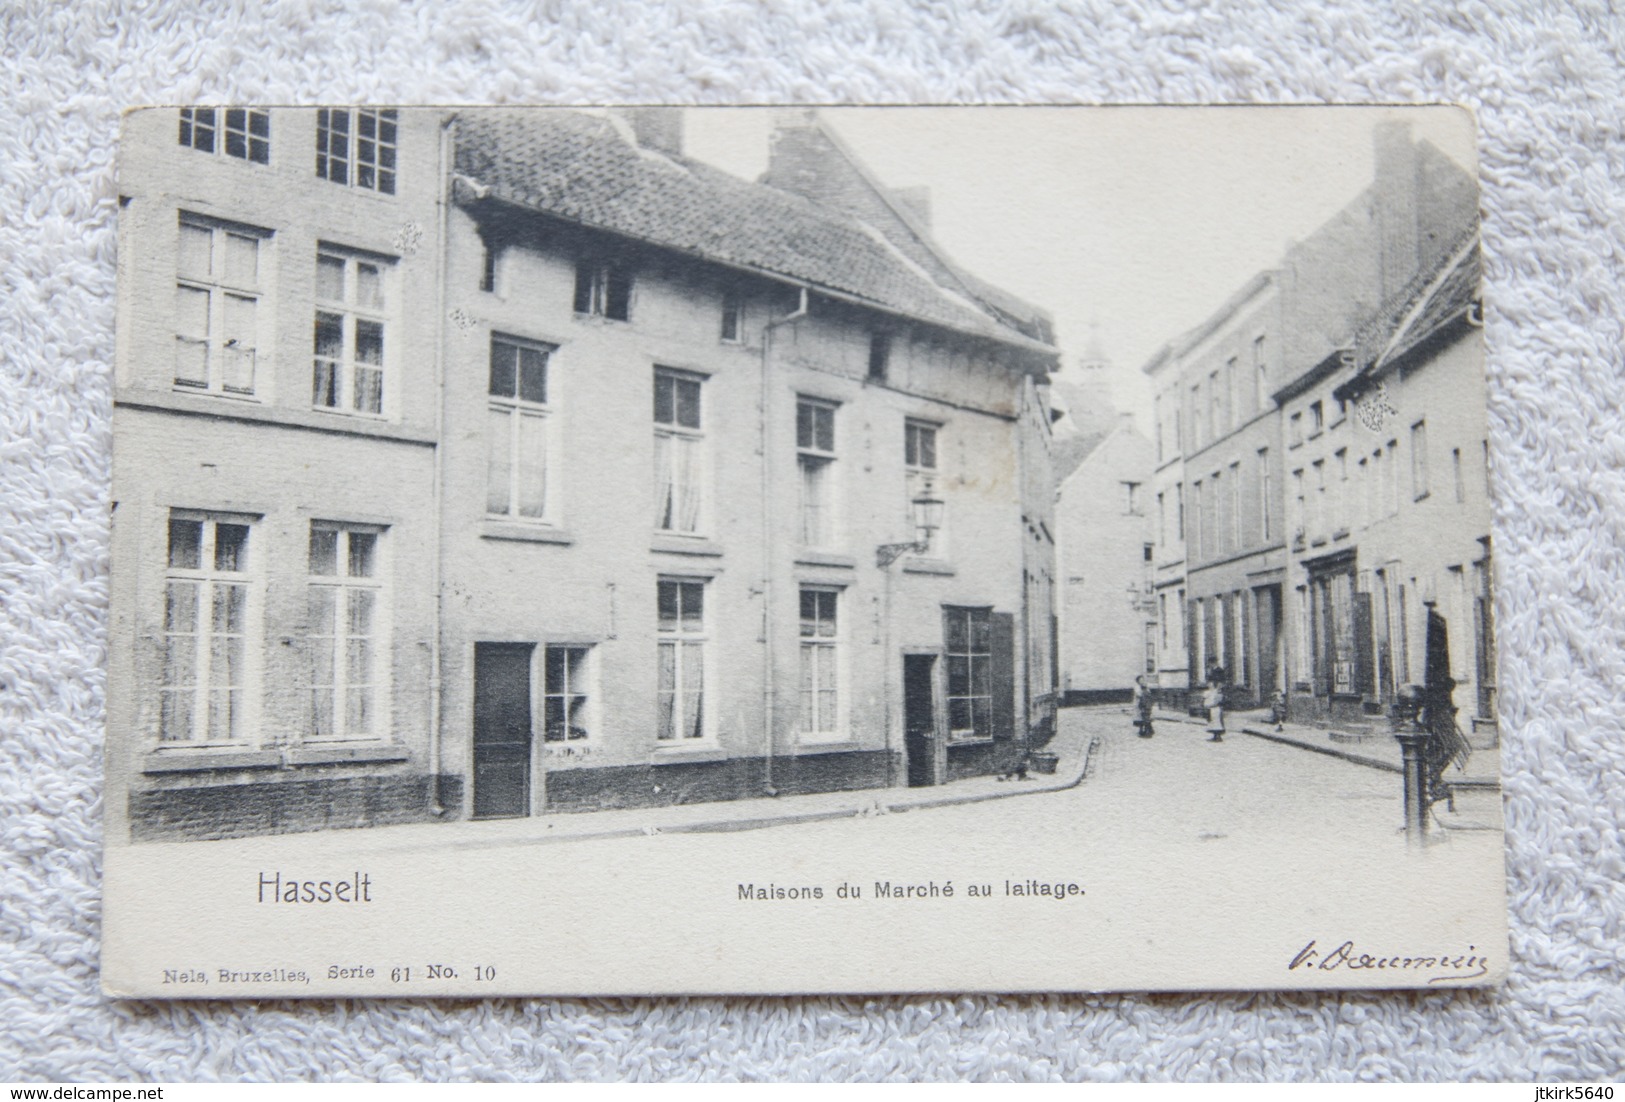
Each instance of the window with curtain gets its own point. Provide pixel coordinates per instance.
(518, 412)
(679, 451)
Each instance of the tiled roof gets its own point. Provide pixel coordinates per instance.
(1432, 301)
(1070, 452)
(583, 169)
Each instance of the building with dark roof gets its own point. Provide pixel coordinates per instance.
(1275, 483)
(1411, 531)
(625, 481)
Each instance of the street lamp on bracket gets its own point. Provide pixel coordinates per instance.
(926, 510)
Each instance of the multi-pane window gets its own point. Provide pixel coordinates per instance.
(241, 132)
(349, 339)
(565, 693)
(203, 687)
(679, 451)
(815, 458)
(516, 429)
(217, 298)
(1295, 429)
(344, 606)
(921, 471)
(357, 147)
(1317, 418)
(820, 664)
(1419, 460)
(603, 289)
(969, 637)
(680, 702)
(733, 317)
(920, 446)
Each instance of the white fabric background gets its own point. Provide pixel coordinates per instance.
(1547, 84)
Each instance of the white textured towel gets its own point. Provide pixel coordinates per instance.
(1549, 87)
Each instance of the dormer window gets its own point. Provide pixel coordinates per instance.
(733, 317)
(603, 290)
(879, 356)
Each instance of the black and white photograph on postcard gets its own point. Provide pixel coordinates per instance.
(657, 550)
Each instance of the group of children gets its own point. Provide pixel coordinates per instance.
(1212, 701)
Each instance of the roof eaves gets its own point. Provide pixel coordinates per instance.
(1392, 336)
(473, 191)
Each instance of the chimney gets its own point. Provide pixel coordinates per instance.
(917, 201)
(799, 155)
(657, 128)
(1396, 180)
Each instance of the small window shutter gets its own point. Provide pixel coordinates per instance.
(583, 304)
(618, 297)
(1004, 675)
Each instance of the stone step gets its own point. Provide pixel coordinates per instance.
(1472, 805)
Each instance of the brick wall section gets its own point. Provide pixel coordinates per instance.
(238, 811)
(982, 758)
(705, 782)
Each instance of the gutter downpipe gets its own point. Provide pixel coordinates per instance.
(447, 129)
(768, 692)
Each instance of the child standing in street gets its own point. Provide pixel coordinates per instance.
(1213, 701)
(1142, 707)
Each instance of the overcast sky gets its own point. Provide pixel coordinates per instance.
(1139, 220)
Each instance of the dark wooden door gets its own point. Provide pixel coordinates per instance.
(502, 734)
(1269, 641)
(919, 719)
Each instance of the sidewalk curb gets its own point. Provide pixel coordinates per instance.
(1330, 751)
(879, 806)
(720, 826)
(1284, 740)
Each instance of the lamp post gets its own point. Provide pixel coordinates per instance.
(926, 509)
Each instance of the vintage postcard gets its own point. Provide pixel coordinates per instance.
(654, 550)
